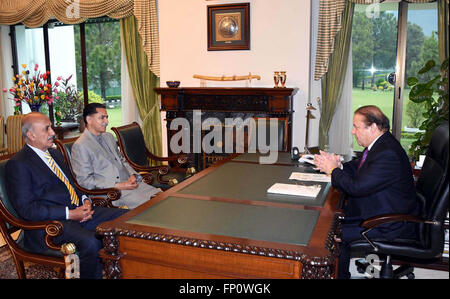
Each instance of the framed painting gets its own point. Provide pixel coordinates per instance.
(229, 27)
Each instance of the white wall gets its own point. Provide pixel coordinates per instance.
(279, 40)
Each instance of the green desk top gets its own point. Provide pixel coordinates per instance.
(271, 224)
(248, 181)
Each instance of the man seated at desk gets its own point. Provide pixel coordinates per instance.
(97, 162)
(381, 182)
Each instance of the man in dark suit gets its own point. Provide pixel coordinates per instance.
(40, 187)
(380, 182)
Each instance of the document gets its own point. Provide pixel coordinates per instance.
(314, 177)
(299, 190)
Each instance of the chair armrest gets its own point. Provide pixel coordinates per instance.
(178, 160)
(147, 177)
(52, 228)
(111, 194)
(386, 218)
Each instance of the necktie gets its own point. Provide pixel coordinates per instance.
(363, 158)
(73, 195)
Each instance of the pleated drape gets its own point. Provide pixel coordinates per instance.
(142, 80)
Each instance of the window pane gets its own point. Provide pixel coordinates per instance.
(422, 45)
(103, 58)
(30, 51)
(63, 67)
(374, 45)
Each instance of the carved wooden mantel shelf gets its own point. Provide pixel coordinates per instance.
(240, 99)
(221, 102)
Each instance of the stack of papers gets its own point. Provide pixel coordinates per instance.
(314, 177)
(299, 190)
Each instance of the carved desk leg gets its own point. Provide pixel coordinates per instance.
(324, 268)
(110, 254)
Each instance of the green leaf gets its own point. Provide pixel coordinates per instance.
(428, 66)
(420, 93)
(412, 81)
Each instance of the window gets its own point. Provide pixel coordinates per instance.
(89, 53)
(379, 41)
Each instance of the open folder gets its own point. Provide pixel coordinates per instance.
(299, 190)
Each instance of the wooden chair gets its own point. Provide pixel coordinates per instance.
(100, 197)
(133, 148)
(10, 222)
(3, 149)
(15, 140)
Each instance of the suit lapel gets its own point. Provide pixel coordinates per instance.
(37, 161)
(375, 148)
(96, 146)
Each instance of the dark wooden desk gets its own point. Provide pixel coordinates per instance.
(215, 225)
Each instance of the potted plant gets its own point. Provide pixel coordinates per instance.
(434, 96)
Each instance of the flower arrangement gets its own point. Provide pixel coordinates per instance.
(34, 89)
(68, 103)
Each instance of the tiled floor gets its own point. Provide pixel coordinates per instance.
(419, 273)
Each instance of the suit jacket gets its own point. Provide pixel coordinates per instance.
(94, 168)
(36, 192)
(384, 183)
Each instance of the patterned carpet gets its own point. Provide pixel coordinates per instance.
(33, 271)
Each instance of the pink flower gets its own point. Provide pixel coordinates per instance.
(57, 97)
(56, 84)
(17, 104)
(59, 78)
(5, 90)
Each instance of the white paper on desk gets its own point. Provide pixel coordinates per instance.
(299, 190)
(314, 177)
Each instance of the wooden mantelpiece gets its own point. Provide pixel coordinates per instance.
(221, 102)
(267, 100)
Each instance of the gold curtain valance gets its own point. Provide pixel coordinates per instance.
(35, 13)
(330, 14)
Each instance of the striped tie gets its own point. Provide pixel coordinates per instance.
(73, 195)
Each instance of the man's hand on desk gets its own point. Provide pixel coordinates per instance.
(326, 162)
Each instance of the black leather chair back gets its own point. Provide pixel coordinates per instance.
(133, 143)
(433, 187)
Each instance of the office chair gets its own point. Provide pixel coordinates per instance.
(132, 145)
(432, 190)
(10, 222)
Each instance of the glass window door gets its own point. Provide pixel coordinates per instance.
(392, 41)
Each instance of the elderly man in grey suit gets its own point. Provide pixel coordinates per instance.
(97, 162)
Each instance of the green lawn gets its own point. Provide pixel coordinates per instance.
(385, 101)
(114, 117)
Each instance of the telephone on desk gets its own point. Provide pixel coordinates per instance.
(308, 158)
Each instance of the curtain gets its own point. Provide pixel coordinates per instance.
(443, 29)
(35, 13)
(333, 80)
(143, 80)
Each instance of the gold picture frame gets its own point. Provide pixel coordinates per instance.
(229, 27)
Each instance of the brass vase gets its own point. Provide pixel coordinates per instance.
(276, 78)
(283, 79)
